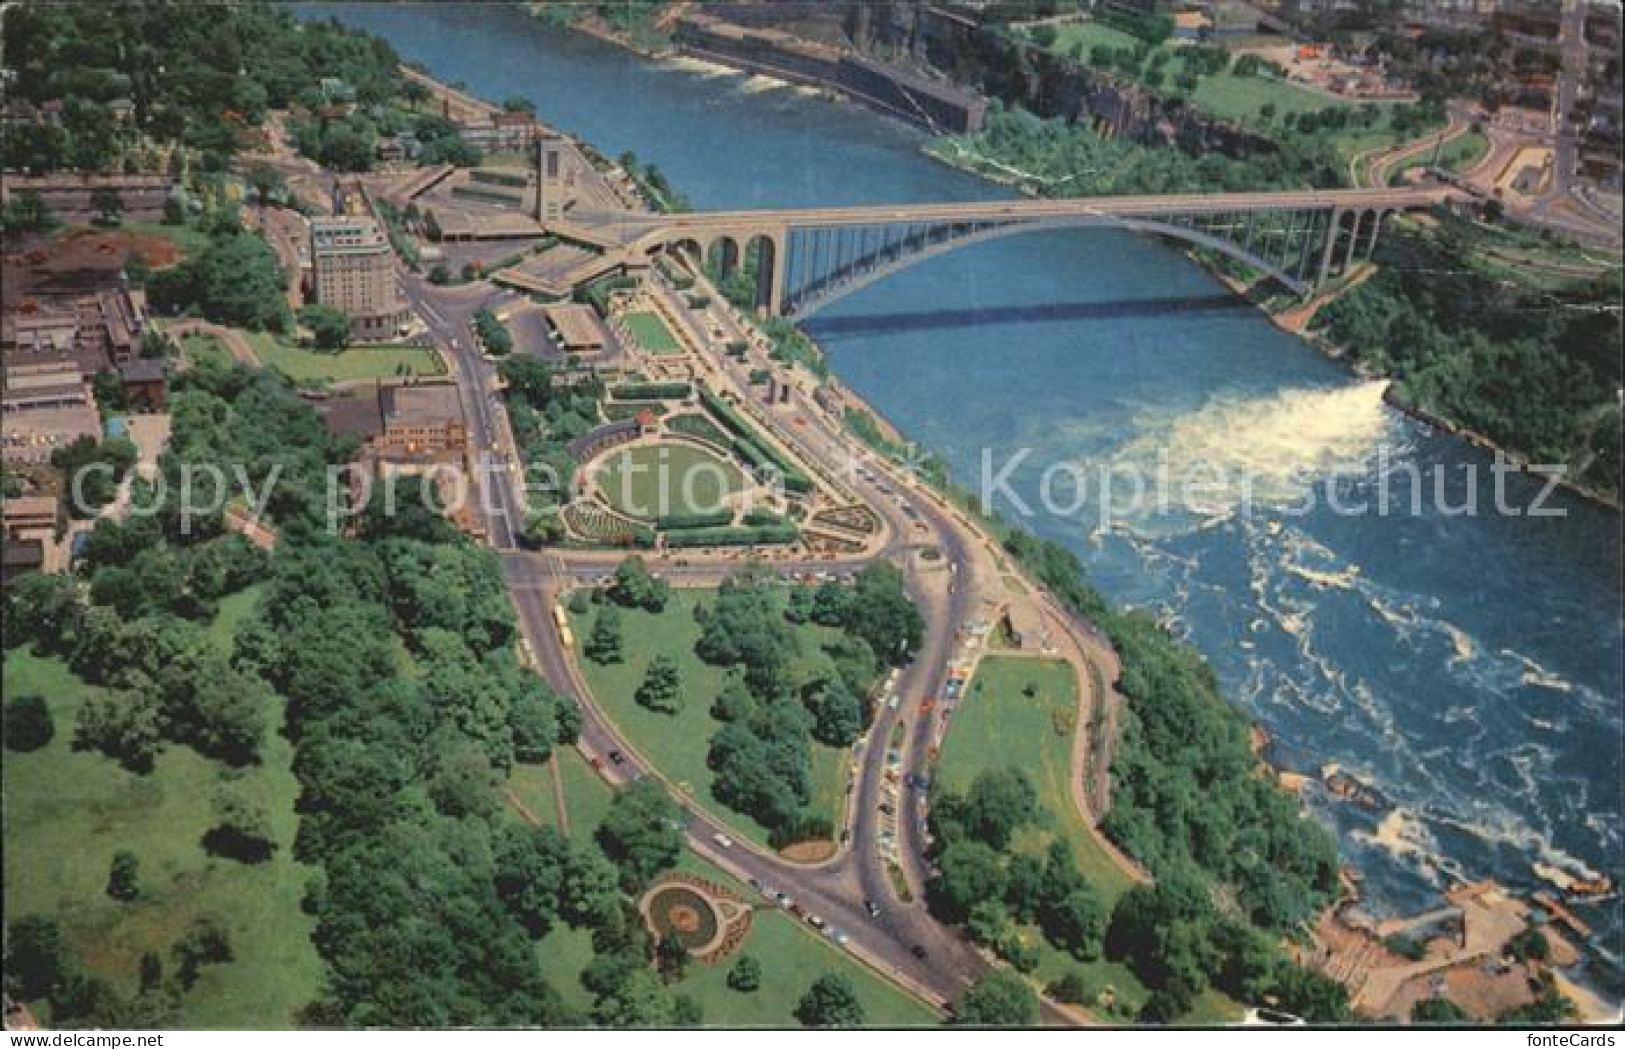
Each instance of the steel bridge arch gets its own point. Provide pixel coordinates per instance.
(795, 306)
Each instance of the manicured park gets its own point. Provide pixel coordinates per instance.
(677, 744)
(650, 481)
(1020, 712)
(651, 333)
(68, 811)
(356, 363)
(792, 956)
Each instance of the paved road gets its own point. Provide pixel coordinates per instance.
(836, 889)
(633, 226)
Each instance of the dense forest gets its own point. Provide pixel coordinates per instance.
(391, 656)
(195, 74)
(1536, 371)
(1236, 864)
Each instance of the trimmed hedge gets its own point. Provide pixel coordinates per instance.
(499, 178)
(731, 536)
(650, 391)
(490, 196)
(745, 444)
(707, 519)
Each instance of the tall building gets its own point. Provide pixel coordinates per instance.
(353, 269)
(552, 180)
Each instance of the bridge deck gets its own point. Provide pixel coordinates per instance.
(1146, 206)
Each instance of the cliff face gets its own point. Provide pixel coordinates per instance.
(1049, 85)
(922, 34)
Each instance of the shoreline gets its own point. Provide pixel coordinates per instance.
(856, 401)
(1339, 354)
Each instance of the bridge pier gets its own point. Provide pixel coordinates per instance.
(1334, 227)
(1354, 240)
(770, 274)
(1376, 228)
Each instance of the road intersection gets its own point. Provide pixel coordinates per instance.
(958, 581)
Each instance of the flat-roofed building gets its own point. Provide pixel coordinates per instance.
(425, 420)
(353, 269)
(72, 197)
(575, 327)
(31, 516)
(44, 407)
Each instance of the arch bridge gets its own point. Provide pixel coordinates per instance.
(806, 258)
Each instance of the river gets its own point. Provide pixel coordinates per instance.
(1467, 667)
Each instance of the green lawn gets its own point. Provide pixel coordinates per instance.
(1459, 154)
(67, 812)
(359, 362)
(653, 480)
(205, 348)
(1239, 98)
(586, 794)
(999, 725)
(792, 957)
(677, 743)
(1089, 35)
(651, 333)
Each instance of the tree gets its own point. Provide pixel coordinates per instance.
(588, 892)
(203, 943)
(604, 643)
(265, 181)
(108, 205)
(880, 612)
(671, 956)
(534, 721)
(1076, 924)
(1312, 995)
(642, 833)
(745, 975)
(634, 587)
(123, 876)
(126, 726)
(1437, 1011)
(999, 999)
(466, 784)
(242, 828)
(236, 280)
(999, 801)
(28, 724)
(329, 326)
(662, 688)
(837, 712)
(968, 872)
(830, 1002)
(529, 872)
(28, 213)
(36, 957)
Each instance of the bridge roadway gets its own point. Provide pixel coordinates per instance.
(834, 889)
(634, 227)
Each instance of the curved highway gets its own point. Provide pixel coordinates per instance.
(901, 940)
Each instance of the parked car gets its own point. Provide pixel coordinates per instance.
(617, 758)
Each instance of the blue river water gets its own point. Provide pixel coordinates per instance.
(1466, 666)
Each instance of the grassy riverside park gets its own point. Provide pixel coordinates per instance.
(355, 363)
(68, 811)
(654, 480)
(651, 333)
(677, 744)
(792, 955)
(997, 725)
